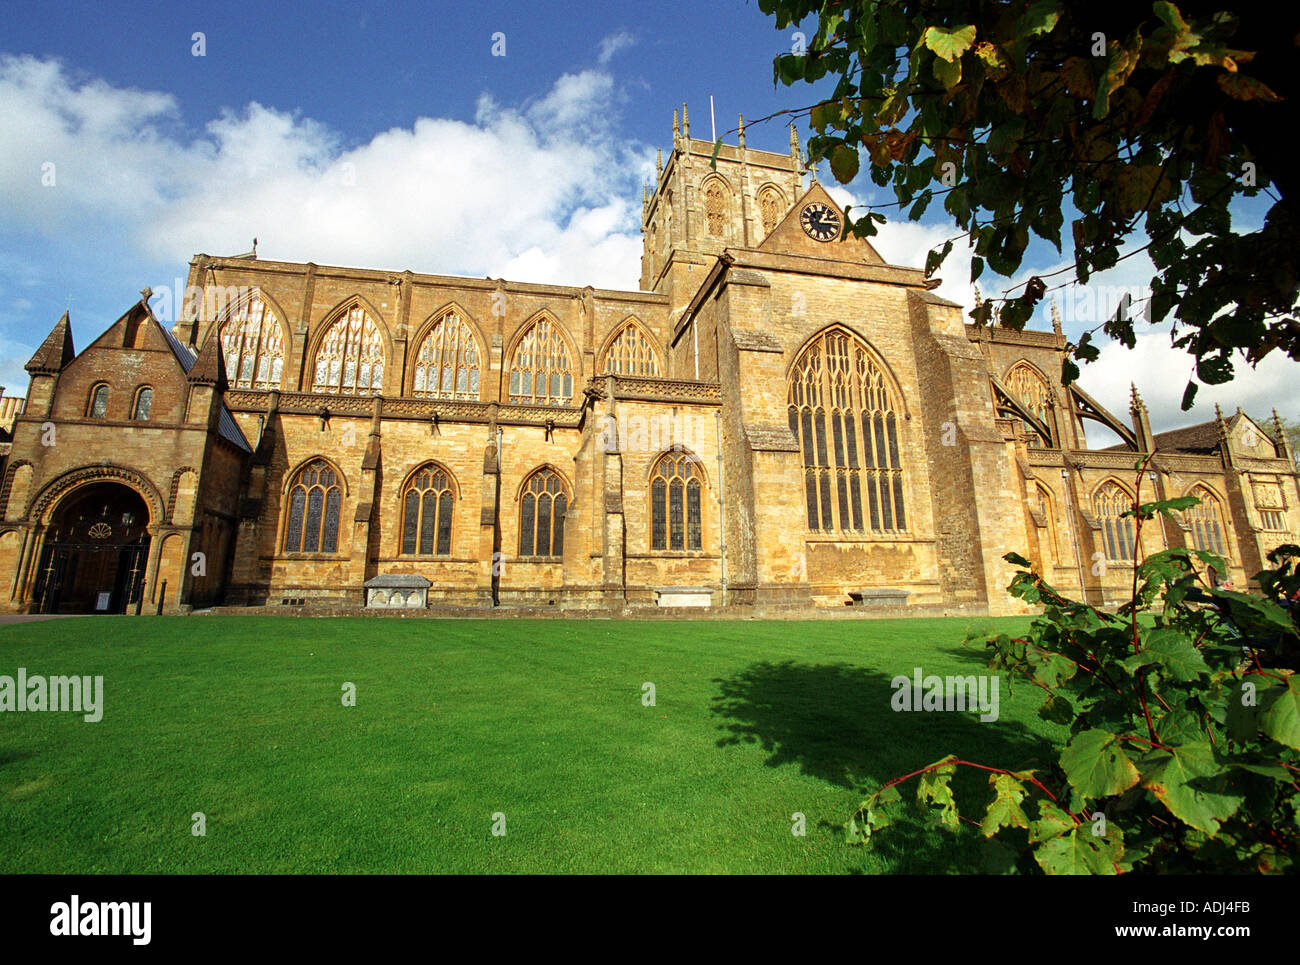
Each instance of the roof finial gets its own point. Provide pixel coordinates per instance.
(742, 130)
(794, 141)
(1056, 317)
(676, 130)
(254, 247)
(659, 163)
(979, 298)
(686, 121)
(1218, 413)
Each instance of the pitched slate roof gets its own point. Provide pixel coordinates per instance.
(227, 428)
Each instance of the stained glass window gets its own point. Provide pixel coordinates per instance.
(541, 373)
(426, 513)
(843, 413)
(1109, 502)
(675, 502)
(315, 501)
(1206, 522)
(350, 359)
(98, 401)
(631, 353)
(542, 509)
(143, 404)
(253, 345)
(447, 365)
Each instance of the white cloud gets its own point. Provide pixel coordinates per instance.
(611, 45)
(444, 195)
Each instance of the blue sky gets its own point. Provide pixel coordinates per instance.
(391, 137)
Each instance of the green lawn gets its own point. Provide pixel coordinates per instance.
(456, 720)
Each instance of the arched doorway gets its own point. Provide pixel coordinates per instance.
(95, 552)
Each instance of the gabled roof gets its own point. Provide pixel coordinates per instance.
(788, 237)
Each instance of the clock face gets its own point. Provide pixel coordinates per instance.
(820, 222)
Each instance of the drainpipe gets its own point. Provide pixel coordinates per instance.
(722, 517)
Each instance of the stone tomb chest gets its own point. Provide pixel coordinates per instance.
(397, 592)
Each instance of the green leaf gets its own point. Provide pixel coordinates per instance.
(1097, 765)
(1040, 18)
(1004, 810)
(1171, 649)
(1052, 821)
(1079, 852)
(1282, 719)
(947, 73)
(844, 163)
(935, 788)
(1191, 784)
(949, 43)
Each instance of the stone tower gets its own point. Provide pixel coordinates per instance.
(697, 209)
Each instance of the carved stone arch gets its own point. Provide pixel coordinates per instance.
(427, 465)
(8, 487)
(717, 198)
(569, 489)
(292, 473)
(53, 493)
(877, 357)
(679, 451)
(175, 489)
(511, 357)
(631, 322)
(337, 314)
(426, 328)
(1111, 480)
(769, 217)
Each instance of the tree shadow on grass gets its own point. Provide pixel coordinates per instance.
(835, 723)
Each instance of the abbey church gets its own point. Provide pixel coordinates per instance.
(776, 419)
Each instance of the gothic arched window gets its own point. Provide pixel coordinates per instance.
(715, 207)
(314, 504)
(1034, 394)
(350, 358)
(541, 373)
(844, 415)
(676, 498)
(447, 364)
(98, 407)
(427, 503)
(252, 342)
(770, 206)
(541, 514)
(631, 353)
(1109, 503)
(143, 404)
(1206, 522)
